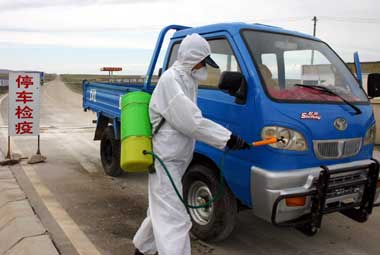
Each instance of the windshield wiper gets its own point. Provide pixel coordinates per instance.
(329, 91)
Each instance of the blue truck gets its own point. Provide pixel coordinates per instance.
(271, 83)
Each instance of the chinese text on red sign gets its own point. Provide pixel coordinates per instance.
(24, 103)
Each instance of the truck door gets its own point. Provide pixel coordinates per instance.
(226, 110)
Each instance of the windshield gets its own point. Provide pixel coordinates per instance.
(286, 61)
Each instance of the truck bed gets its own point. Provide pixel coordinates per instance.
(105, 98)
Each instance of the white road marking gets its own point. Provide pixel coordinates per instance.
(78, 238)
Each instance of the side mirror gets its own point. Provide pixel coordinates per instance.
(373, 85)
(234, 84)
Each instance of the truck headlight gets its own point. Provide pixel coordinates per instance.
(291, 139)
(370, 135)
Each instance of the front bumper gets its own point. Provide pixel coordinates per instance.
(340, 187)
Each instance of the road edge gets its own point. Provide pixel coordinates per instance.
(21, 230)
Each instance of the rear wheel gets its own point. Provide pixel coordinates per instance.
(110, 153)
(217, 221)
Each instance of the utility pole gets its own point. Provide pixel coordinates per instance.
(314, 33)
(315, 25)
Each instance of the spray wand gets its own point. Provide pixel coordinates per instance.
(268, 140)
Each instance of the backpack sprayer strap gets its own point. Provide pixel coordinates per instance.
(151, 169)
(162, 121)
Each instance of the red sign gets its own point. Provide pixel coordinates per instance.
(24, 92)
(111, 69)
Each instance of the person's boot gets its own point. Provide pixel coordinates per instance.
(137, 252)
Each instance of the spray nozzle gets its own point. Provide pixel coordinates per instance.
(268, 140)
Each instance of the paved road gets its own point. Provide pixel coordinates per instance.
(90, 213)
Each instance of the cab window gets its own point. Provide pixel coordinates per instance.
(291, 67)
(222, 54)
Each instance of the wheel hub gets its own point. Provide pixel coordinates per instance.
(200, 194)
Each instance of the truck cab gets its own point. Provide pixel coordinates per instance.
(278, 83)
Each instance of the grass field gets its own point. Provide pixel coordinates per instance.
(3, 90)
(50, 76)
(74, 81)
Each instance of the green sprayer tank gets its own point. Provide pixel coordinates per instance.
(136, 132)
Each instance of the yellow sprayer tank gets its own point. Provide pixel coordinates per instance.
(136, 132)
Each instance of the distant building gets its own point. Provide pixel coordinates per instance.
(3, 82)
(367, 68)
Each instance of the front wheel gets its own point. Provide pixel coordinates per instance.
(216, 222)
(110, 153)
(308, 229)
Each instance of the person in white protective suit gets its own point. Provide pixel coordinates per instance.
(166, 228)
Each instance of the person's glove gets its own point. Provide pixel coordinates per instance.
(237, 143)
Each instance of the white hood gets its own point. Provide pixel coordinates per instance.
(193, 49)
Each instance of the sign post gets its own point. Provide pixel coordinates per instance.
(110, 71)
(24, 106)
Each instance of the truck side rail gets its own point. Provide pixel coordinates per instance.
(105, 98)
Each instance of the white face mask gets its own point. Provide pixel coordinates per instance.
(199, 74)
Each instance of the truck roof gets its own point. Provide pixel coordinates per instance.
(235, 27)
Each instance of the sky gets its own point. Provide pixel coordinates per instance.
(80, 36)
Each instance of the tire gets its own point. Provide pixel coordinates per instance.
(218, 221)
(308, 229)
(110, 153)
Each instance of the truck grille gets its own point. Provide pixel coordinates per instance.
(342, 179)
(345, 179)
(336, 149)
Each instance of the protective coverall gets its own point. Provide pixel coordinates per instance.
(167, 225)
